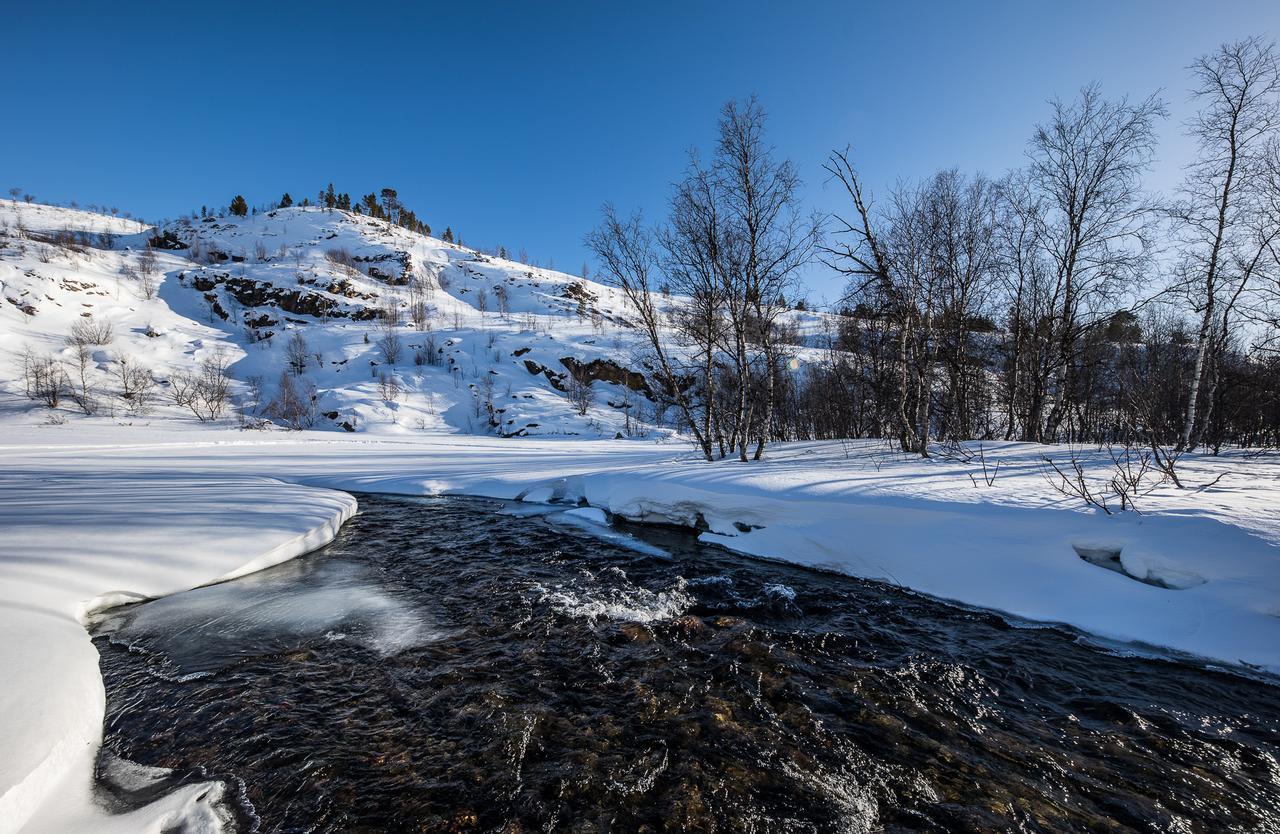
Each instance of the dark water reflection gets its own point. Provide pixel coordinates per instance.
(443, 666)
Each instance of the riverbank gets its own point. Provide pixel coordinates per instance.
(150, 510)
(74, 543)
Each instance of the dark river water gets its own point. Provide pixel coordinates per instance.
(448, 665)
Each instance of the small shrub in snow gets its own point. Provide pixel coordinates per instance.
(82, 390)
(389, 339)
(90, 331)
(341, 256)
(136, 382)
(581, 392)
(296, 353)
(204, 392)
(147, 283)
(295, 406)
(419, 309)
(44, 378)
(428, 353)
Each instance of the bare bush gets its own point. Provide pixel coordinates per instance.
(581, 392)
(296, 353)
(428, 353)
(44, 378)
(388, 336)
(90, 331)
(82, 390)
(147, 274)
(295, 406)
(1134, 473)
(339, 255)
(388, 387)
(205, 391)
(136, 382)
(419, 309)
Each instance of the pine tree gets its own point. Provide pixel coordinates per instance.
(447, 237)
(390, 202)
(238, 206)
(330, 199)
(286, 200)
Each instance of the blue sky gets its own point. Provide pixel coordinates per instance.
(512, 122)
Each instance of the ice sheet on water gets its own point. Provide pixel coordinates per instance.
(282, 609)
(524, 509)
(594, 522)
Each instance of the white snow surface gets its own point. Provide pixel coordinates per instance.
(97, 510)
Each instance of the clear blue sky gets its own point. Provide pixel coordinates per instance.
(512, 122)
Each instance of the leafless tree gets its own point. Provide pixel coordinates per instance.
(146, 271)
(419, 309)
(388, 387)
(1087, 162)
(1226, 230)
(91, 331)
(136, 382)
(736, 240)
(580, 391)
(626, 251)
(772, 239)
(82, 388)
(295, 405)
(44, 378)
(296, 353)
(205, 391)
(388, 325)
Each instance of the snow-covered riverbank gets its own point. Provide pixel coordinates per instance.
(153, 509)
(72, 543)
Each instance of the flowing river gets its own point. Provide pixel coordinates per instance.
(464, 665)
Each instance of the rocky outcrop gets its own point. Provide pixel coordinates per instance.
(556, 379)
(302, 302)
(166, 240)
(606, 370)
(394, 268)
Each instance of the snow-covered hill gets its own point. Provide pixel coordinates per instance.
(393, 331)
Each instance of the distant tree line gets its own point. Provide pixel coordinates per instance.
(384, 205)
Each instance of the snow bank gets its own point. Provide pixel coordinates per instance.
(73, 543)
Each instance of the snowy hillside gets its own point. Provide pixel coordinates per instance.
(376, 328)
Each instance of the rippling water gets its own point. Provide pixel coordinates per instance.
(448, 665)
